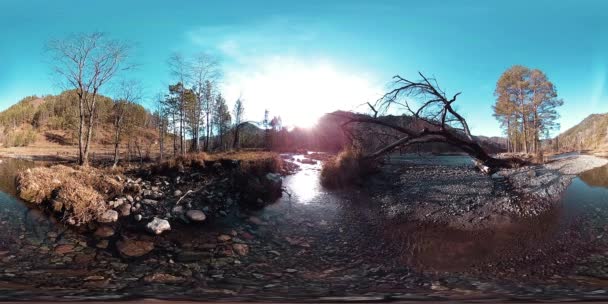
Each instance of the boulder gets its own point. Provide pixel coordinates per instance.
(158, 226)
(196, 215)
(109, 216)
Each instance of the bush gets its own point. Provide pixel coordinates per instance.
(345, 169)
(79, 193)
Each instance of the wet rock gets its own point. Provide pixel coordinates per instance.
(240, 249)
(109, 216)
(196, 215)
(158, 226)
(148, 201)
(134, 248)
(104, 232)
(224, 238)
(138, 217)
(178, 210)
(191, 256)
(103, 244)
(162, 278)
(64, 249)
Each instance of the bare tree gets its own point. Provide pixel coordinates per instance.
(238, 112)
(128, 94)
(180, 69)
(161, 115)
(87, 62)
(204, 73)
(441, 123)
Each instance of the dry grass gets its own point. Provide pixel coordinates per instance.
(345, 169)
(77, 192)
(255, 162)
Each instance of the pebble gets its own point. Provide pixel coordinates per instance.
(109, 216)
(196, 215)
(240, 249)
(224, 238)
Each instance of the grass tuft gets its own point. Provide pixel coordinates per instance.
(345, 169)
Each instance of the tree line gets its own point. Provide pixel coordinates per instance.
(526, 107)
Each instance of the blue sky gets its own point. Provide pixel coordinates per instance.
(303, 58)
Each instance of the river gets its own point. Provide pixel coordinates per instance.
(317, 243)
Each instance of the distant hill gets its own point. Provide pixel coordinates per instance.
(53, 119)
(328, 135)
(589, 134)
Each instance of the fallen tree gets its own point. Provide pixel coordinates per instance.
(440, 123)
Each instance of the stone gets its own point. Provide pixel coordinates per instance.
(178, 210)
(177, 193)
(158, 226)
(109, 216)
(125, 209)
(224, 238)
(103, 244)
(138, 217)
(196, 215)
(104, 232)
(240, 249)
(148, 201)
(162, 278)
(134, 248)
(291, 270)
(63, 249)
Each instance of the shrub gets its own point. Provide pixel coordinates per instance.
(345, 169)
(77, 192)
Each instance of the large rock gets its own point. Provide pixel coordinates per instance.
(158, 226)
(196, 215)
(109, 216)
(134, 248)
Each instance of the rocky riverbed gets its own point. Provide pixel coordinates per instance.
(312, 244)
(463, 198)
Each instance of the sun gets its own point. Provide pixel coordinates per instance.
(298, 91)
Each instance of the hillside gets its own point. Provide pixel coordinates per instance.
(589, 134)
(51, 122)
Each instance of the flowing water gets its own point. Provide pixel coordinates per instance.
(347, 234)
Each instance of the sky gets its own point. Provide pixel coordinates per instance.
(300, 59)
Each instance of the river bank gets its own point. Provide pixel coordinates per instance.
(456, 195)
(311, 244)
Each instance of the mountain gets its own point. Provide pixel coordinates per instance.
(589, 134)
(53, 120)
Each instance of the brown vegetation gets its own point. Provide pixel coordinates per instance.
(79, 193)
(346, 168)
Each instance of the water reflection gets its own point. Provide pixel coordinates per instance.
(16, 219)
(304, 186)
(597, 177)
(440, 248)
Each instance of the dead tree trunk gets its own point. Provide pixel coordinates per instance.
(442, 124)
